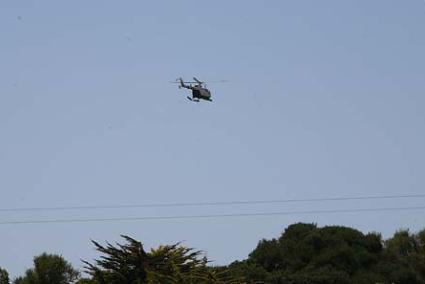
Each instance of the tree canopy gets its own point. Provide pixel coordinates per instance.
(49, 269)
(4, 276)
(169, 264)
(303, 253)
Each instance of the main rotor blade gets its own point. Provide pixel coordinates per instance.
(194, 82)
(218, 81)
(197, 81)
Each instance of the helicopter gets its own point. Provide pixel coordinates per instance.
(199, 90)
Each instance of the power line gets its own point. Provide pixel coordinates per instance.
(259, 214)
(201, 204)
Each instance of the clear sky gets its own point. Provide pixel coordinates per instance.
(325, 99)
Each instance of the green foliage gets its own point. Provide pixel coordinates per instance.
(247, 270)
(402, 244)
(406, 257)
(305, 253)
(49, 269)
(4, 276)
(268, 255)
(322, 275)
(170, 264)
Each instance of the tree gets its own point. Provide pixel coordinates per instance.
(420, 240)
(49, 269)
(405, 257)
(402, 243)
(129, 263)
(305, 253)
(4, 276)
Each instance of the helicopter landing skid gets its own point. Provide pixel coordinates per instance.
(193, 100)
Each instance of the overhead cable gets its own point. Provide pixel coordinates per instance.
(188, 217)
(213, 203)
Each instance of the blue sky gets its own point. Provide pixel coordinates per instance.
(325, 99)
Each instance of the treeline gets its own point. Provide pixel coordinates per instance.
(304, 253)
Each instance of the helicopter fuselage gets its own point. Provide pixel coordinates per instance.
(201, 93)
